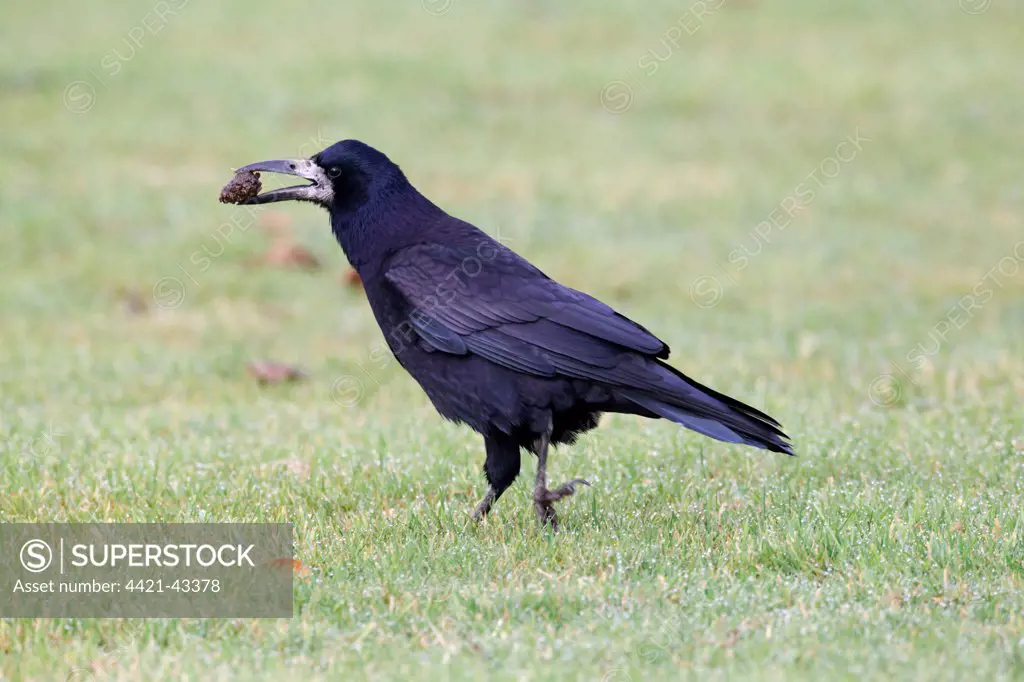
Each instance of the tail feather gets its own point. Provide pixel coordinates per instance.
(710, 413)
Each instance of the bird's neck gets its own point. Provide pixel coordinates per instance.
(397, 217)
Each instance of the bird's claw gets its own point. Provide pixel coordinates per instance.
(484, 507)
(546, 513)
(565, 490)
(544, 499)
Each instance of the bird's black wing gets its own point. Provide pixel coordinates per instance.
(504, 309)
(494, 304)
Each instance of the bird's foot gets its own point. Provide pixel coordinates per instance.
(544, 499)
(484, 507)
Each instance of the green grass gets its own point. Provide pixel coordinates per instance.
(890, 548)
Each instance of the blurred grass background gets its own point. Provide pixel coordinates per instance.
(634, 152)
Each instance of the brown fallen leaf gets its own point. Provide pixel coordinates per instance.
(286, 564)
(351, 278)
(284, 251)
(289, 254)
(270, 372)
(133, 301)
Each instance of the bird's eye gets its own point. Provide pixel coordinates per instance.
(334, 171)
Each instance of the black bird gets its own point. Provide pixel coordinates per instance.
(494, 342)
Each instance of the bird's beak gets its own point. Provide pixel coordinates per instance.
(303, 168)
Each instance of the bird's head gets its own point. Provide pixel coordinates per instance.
(341, 178)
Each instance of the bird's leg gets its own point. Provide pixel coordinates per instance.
(543, 498)
(545, 510)
(501, 468)
(485, 504)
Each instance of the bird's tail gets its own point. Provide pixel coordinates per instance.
(684, 401)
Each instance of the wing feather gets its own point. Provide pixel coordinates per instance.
(527, 317)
